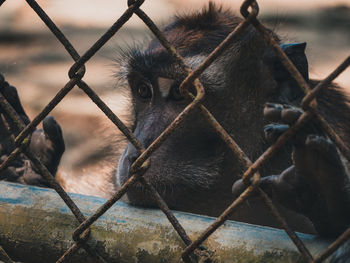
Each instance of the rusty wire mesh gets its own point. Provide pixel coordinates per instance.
(249, 10)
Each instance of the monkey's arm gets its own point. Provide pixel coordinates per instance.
(47, 143)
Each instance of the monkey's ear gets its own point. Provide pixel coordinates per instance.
(296, 53)
(286, 85)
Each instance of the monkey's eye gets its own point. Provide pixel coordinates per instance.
(144, 91)
(175, 93)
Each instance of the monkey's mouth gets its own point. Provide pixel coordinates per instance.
(138, 195)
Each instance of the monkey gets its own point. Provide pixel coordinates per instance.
(255, 100)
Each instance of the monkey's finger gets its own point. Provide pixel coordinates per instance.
(238, 187)
(290, 114)
(11, 95)
(273, 131)
(282, 187)
(267, 184)
(281, 113)
(272, 112)
(287, 189)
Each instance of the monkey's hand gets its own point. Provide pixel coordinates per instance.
(317, 185)
(47, 143)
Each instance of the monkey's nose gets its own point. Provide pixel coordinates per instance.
(131, 158)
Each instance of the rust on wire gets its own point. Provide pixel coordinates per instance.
(10, 159)
(251, 177)
(66, 255)
(334, 246)
(48, 176)
(247, 162)
(256, 179)
(54, 29)
(243, 158)
(282, 140)
(324, 83)
(12, 114)
(164, 135)
(36, 162)
(108, 112)
(104, 38)
(81, 244)
(308, 103)
(177, 57)
(216, 53)
(69, 202)
(4, 256)
(94, 97)
(288, 64)
(48, 108)
(218, 222)
(74, 54)
(221, 47)
(296, 240)
(235, 148)
(333, 135)
(164, 207)
(42, 169)
(77, 232)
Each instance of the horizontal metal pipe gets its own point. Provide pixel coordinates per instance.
(36, 226)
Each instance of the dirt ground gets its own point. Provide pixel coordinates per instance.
(35, 62)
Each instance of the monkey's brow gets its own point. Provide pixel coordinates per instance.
(152, 62)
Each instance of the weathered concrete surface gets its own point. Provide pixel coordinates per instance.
(36, 226)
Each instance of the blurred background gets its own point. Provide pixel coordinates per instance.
(34, 61)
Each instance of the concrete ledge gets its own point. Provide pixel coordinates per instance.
(36, 226)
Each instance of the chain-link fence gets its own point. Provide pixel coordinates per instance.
(249, 10)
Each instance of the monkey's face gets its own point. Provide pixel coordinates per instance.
(193, 170)
(193, 166)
